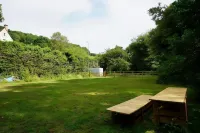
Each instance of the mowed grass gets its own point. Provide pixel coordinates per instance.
(77, 105)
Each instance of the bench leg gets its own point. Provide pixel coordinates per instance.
(156, 118)
(186, 112)
(142, 115)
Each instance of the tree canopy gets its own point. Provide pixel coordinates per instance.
(1, 14)
(40, 56)
(114, 60)
(175, 41)
(59, 37)
(138, 52)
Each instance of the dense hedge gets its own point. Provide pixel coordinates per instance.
(17, 58)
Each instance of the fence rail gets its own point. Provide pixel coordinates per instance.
(130, 73)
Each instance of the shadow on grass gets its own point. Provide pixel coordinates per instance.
(75, 105)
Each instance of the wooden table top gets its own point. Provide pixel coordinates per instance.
(171, 94)
(132, 105)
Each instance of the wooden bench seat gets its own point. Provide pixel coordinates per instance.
(170, 106)
(132, 105)
(131, 111)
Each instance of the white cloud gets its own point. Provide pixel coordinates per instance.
(125, 19)
(36, 16)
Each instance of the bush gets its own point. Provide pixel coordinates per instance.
(25, 60)
(25, 75)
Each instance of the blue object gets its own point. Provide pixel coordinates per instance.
(10, 79)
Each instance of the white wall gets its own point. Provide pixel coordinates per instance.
(97, 71)
(4, 36)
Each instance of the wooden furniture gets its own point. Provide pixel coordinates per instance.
(170, 106)
(131, 110)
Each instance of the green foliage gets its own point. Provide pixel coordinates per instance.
(26, 60)
(27, 38)
(175, 42)
(157, 12)
(35, 56)
(118, 64)
(79, 58)
(138, 52)
(114, 60)
(27, 77)
(1, 14)
(59, 37)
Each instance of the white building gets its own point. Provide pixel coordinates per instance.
(4, 35)
(96, 71)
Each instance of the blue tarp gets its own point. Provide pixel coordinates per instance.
(10, 79)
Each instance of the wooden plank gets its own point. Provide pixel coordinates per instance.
(132, 105)
(171, 94)
(165, 112)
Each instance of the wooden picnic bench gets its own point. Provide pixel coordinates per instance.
(131, 110)
(170, 106)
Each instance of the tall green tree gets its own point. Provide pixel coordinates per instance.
(138, 52)
(59, 42)
(59, 37)
(175, 41)
(114, 60)
(1, 14)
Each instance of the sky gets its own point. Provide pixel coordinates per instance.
(102, 24)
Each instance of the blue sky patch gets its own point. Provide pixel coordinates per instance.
(99, 10)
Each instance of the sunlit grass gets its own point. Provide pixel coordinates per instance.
(77, 105)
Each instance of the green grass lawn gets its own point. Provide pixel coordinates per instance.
(77, 105)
